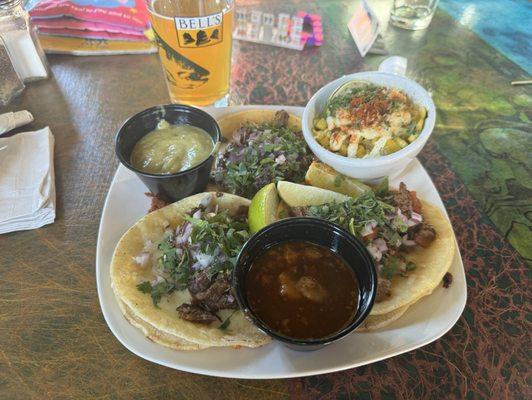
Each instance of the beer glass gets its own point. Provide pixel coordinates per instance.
(194, 39)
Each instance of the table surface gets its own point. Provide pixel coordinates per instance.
(54, 342)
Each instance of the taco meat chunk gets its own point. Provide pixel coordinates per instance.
(192, 313)
(281, 118)
(423, 234)
(199, 283)
(242, 211)
(383, 289)
(156, 202)
(218, 296)
(406, 200)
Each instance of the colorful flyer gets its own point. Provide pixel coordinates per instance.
(364, 27)
(128, 13)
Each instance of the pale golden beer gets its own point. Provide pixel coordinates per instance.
(194, 41)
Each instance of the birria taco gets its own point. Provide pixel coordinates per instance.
(171, 273)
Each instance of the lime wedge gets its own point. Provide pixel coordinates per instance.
(263, 208)
(296, 195)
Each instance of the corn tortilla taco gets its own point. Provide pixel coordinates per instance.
(431, 263)
(173, 307)
(410, 240)
(264, 146)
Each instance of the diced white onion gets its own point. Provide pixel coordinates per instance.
(142, 259)
(182, 237)
(204, 259)
(281, 159)
(377, 248)
(197, 214)
(157, 279)
(415, 219)
(196, 266)
(368, 228)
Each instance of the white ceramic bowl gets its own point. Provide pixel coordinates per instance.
(370, 169)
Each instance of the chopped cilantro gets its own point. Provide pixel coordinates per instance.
(262, 154)
(399, 225)
(226, 323)
(144, 287)
(353, 214)
(157, 290)
(219, 235)
(410, 266)
(390, 267)
(343, 98)
(223, 231)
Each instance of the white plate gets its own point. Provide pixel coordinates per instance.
(424, 322)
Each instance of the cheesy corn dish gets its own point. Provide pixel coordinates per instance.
(363, 120)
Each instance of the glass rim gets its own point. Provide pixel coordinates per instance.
(151, 10)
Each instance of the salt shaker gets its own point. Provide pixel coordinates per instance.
(20, 40)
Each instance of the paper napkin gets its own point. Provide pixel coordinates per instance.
(27, 186)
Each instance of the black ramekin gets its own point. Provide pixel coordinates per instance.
(317, 231)
(169, 187)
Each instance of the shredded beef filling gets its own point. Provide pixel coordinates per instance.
(199, 256)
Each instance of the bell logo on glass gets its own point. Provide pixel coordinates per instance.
(200, 31)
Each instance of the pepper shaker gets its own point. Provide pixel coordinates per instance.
(10, 84)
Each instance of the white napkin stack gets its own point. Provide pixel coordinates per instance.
(27, 187)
